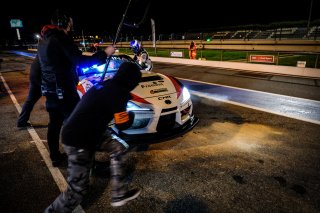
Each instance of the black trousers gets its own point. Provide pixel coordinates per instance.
(80, 163)
(59, 110)
(33, 96)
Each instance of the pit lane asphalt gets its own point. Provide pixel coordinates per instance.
(235, 160)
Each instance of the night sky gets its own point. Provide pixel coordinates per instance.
(170, 16)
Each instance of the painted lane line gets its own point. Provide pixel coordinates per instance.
(55, 172)
(287, 106)
(250, 90)
(208, 96)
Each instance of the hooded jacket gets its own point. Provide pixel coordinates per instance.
(35, 73)
(99, 106)
(59, 57)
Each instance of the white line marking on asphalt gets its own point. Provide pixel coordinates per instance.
(250, 90)
(55, 172)
(202, 95)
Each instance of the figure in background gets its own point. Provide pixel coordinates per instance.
(141, 55)
(192, 50)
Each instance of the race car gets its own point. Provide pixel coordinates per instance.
(161, 104)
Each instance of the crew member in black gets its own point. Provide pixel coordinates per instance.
(83, 133)
(34, 94)
(59, 57)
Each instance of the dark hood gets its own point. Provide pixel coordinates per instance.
(48, 28)
(128, 75)
(52, 30)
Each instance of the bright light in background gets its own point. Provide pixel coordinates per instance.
(38, 37)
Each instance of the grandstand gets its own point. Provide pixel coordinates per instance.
(289, 33)
(314, 33)
(239, 35)
(222, 35)
(293, 33)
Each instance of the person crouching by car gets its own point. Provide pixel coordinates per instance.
(84, 130)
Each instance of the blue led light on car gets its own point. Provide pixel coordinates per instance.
(93, 69)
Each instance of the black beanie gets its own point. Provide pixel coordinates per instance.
(128, 75)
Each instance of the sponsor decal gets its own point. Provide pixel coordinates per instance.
(262, 58)
(164, 97)
(301, 63)
(158, 90)
(154, 84)
(85, 84)
(167, 102)
(121, 117)
(176, 54)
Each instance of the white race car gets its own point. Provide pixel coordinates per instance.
(161, 105)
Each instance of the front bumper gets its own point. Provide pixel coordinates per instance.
(159, 136)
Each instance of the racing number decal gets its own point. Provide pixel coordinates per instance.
(121, 117)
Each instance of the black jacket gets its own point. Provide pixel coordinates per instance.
(59, 57)
(35, 72)
(102, 103)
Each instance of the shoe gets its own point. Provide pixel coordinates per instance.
(24, 125)
(61, 161)
(130, 195)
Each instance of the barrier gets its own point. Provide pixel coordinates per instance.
(280, 70)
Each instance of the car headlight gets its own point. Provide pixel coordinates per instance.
(134, 107)
(139, 121)
(185, 95)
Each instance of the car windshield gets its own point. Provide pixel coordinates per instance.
(113, 66)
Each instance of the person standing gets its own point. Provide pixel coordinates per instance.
(33, 96)
(192, 50)
(59, 56)
(84, 131)
(141, 55)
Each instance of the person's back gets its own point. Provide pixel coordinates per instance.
(59, 57)
(98, 107)
(54, 52)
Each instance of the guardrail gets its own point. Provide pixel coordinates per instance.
(279, 70)
(251, 45)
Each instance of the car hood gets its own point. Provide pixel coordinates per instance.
(156, 84)
(157, 91)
